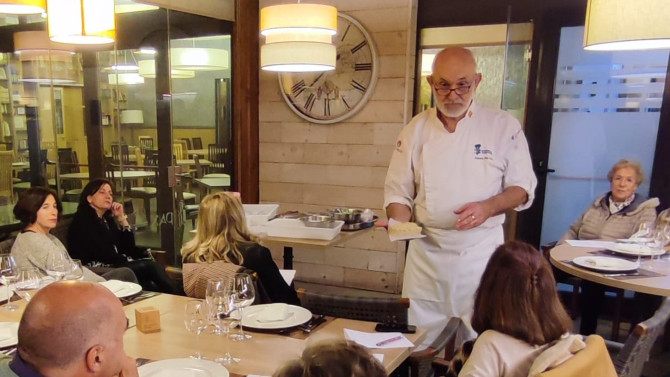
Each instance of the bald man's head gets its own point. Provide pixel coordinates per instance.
(454, 81)
(64, 320)
(455, 56)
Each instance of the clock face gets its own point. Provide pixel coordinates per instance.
(332, 96)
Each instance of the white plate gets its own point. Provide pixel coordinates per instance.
(635, 240)
(13, 328)
(297, 317)
(183, 368)
(605, 263)
(122, 288)
(636, 250)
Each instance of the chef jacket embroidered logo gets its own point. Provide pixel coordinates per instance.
(482, 154)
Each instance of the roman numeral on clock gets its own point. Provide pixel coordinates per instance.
(297, 88)
(363, 66)
(358, 86)
(358, 47)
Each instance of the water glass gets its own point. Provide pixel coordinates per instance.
(58, 265)
(196, 321)
(27, 283)
(243, 288)
(221, 308)
(76, 270)
(214, 295)
(8, 272)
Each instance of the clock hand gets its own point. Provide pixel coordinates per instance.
(317, 78)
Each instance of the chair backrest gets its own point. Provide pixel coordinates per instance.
(120, 154)
(217, 155)
(6, 174)
(195, 275)
(178, 151)
(372, 309)
(6, 245)
(145, 142)
(197, 143)
(187, 141)
(635, 352)
(592, 361)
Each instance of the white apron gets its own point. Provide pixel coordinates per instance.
(440, 172)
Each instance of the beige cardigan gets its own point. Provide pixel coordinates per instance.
(597, 222)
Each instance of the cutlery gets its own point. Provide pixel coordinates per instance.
(313, 323)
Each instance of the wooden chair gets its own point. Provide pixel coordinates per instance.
(217, 155)
(629, 357)
(186, 141)
(120, 154)
(197, 143)
(178, 151)
(147, 190)
(145, 142)
(6, 174)
(69, 163)
(592, 361)
(446, 342)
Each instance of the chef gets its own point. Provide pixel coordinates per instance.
(455, 170)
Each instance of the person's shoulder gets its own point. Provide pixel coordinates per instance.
(496, 117)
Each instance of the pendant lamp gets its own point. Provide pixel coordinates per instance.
(148, 70)
(81, 21)
(619, 25)
(36, 44)
(298, 38)
(199, 59)
(23, 6)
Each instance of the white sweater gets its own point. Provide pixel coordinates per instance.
(499, 355)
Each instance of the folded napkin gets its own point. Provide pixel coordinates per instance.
(274, 313)
(115, 286)
(7, 333)
(556, 354)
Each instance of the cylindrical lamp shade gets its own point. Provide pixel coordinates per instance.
(148, 70)
(310, 18)
(35, 44)
(199, 59)
(132, 117)
(81, 21)
(125, 79)
(618, 25)
(23, 6)
(298, 57)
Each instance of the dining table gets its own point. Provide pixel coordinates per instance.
(261, 355)
(651, 277)
(118, 174)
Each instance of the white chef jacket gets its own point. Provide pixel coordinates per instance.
(435, 172)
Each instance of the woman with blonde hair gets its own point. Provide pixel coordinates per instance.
(222, 236)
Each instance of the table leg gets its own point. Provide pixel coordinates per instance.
(288, 258)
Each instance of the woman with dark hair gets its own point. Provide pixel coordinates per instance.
(101, 236)
(39, 210)
(517, 313)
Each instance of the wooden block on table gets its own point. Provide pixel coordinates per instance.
(148, 319)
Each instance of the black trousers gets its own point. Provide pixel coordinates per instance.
(152, 276)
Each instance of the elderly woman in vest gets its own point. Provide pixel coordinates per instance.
(615, 214)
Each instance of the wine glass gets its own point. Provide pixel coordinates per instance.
(8, 272)
(27, 283)
(196, 321)
(76, 271)
(644, 231)
(214, 294)
(58, 265)
(243, 288)
(221, 308)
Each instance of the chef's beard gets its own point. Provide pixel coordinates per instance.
(451, 112)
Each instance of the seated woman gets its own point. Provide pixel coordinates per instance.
(616, 214)
(39, 210)
(514, 328)
(101, 236)
(340, 358)
(223, 235)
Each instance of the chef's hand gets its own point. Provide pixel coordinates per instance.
(472, 215)
(119, 214)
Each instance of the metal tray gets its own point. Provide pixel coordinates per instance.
(359, 226)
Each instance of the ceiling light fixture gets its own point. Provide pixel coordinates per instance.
(35, 44)
(619, 25)
(22, 6)
(298, 38)
(81, 21)
(199, 59)
(148, 70)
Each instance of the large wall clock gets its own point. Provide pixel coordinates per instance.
(332, 96)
